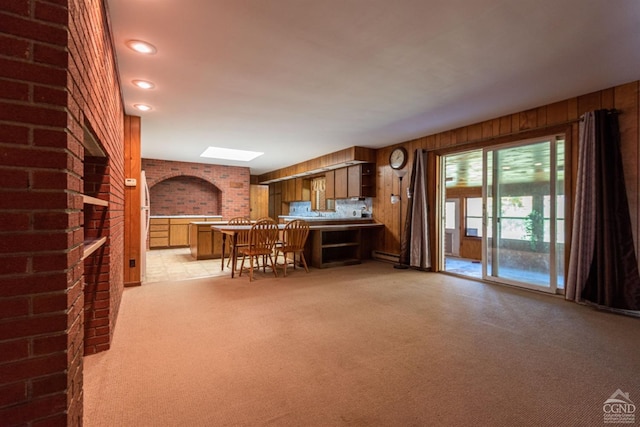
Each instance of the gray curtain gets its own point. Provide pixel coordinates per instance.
(584, 211)
(603, 267)
(415, 251)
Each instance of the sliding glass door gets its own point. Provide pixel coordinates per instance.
(523, 224)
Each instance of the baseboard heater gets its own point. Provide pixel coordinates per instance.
(385, 256)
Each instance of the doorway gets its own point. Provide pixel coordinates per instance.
(508, 202)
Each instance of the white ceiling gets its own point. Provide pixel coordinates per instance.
(298, 79)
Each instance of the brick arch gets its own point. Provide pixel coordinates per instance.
(233, 182)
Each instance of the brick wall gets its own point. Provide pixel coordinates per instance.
(185, 195)
(232, 183)
(56, 78)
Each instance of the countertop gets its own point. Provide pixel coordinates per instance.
(185, 216)
(327, 219)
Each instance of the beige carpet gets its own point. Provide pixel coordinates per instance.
(364, 345)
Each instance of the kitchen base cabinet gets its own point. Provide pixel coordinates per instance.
(173, 231)
(158, 233)
(337, 245)
(204, 242)
(335, 248)
(179, 231)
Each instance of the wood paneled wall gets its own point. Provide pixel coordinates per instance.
(132, 230)
(557, 117)
(340, 158)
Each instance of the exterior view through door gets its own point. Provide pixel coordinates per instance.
(508, 203)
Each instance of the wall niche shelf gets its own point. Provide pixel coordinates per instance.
(88, 200)
(92, 245)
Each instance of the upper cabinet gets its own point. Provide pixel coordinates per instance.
(361, 180)
(353, 181)
(330, 186)
(341, 188)
(296, 190)
(303, 189)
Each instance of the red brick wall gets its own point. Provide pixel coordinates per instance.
(185, 195)
(56, 76)
(231, 181)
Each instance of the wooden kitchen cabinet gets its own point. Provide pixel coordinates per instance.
(303, 190)
(170, 232)
(289, 190)
(361, 180)
(179, 231)
(341, 190)
(159, 233)
(205, 243)
(330, 186)
(332, 248)
(275, 199)
(296, 190)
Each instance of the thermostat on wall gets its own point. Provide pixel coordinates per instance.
(130, 182)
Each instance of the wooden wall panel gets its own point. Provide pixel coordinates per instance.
(259, 201)
(561, 115)
(132, 229)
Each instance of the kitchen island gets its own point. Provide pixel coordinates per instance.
(204, 242)
(332, 242)
(335, 242)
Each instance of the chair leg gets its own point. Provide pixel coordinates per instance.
(241, 265)
(304, 262)
(284, 263)
(273, 266)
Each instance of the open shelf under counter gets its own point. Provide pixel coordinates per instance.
(340, 244)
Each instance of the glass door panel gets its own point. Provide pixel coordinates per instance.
(520, 223)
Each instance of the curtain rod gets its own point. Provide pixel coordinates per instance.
(611, 111)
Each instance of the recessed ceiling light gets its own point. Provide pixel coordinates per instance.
(142, 107)
(143, 84)
(537, 164)
(230, 154)
(142, 47)
(506, 168)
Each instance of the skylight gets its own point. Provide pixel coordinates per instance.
(230, 154)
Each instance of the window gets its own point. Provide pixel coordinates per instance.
(473, 217)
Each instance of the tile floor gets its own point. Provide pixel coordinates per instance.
(178, 264)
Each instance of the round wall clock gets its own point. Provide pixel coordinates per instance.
(398, 158)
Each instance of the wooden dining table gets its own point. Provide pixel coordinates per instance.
(232, 231)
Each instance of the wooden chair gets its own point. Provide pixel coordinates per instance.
(242, 236)
(262, 238)
(294, 237)
(266, 218)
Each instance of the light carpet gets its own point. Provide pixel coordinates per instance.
(364, 345)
